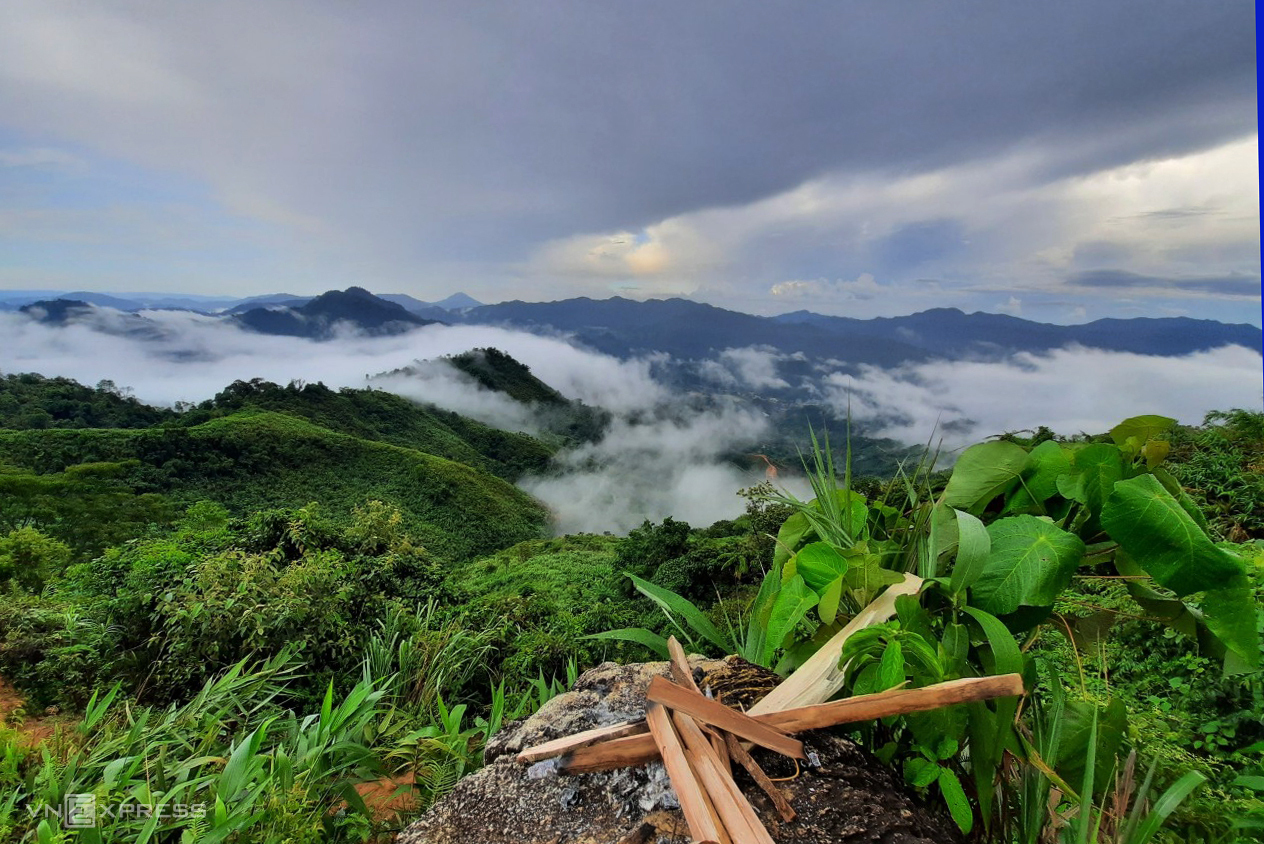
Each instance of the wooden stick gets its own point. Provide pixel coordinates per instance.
(778, 799)
(637, 750)
(683, 675)
(565, 744)
(693, 803)
(679, 665)
(898, 702)
(734, 809)
(718, 715)
(820, 678)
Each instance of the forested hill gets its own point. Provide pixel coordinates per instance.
(258, 445)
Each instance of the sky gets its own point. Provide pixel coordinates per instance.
(1057, 161)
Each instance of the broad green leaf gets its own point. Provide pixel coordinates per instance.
(1094, 471)
(983, 472)
(1030, 563)
(1156, 532)
(1141, 427)
(794, 601)
(819, 565)
(1133, 433)
(1173, 486)
(1077, 728)
(1039, 481)
(955, 798)
(671, 603)
(830, 598)
(789, 536)
(1230, 615)
(639, 635)
(867, 575)
(973, 548)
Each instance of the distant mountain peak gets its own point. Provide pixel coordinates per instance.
(457, 302)
(316, 318)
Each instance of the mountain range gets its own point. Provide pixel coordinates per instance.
(684, 329)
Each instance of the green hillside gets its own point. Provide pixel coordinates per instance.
(385, 417)
(256, 459)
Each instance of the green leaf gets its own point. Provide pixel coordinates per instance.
(793, 603)
(639, 635)
(1081, 722)
(1167, 803)
(670, 603)
(983, 472)
(891, 666)
(1230, 615)
(955, 798)
(1094, 471)
(1178, 492)
(973, 547)
(1045, 464)
(819, 564)
(1139, 429)
(828, 608)
(1030, 563)
(789, 536)
(1156, 532)
(920, 772)
(761, 613)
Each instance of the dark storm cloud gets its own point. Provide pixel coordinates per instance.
(460, 131)
(1233, 285)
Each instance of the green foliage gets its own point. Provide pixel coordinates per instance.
(1220, 466)
(29, 559)
(88, 506)
(999, 548)
(30, 401)
(252, 460)
(388, 418)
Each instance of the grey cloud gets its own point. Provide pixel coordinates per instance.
(1231, 285)
(447, 131)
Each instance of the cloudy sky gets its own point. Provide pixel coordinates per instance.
(1060, 161)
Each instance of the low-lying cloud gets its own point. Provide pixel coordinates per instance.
(658, 459)
(662, 455)
(670, 466)
(1070, 390)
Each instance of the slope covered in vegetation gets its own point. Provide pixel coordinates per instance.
(175, 591)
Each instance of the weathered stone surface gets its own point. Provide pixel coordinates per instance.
(847, 796)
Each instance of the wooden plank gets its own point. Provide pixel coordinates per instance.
(734, 809)
(898, 702)
(761, 779)
(820, 678)
(695, 806)
(637, 750)
(565, 744)
(683, 675)
(718, 715)
(679, 663)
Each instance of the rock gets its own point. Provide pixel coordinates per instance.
(847, 797)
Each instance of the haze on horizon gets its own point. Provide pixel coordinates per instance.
(1062, 162)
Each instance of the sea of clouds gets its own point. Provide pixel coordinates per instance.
(662, 455)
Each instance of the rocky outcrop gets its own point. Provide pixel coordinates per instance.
(844, 795)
